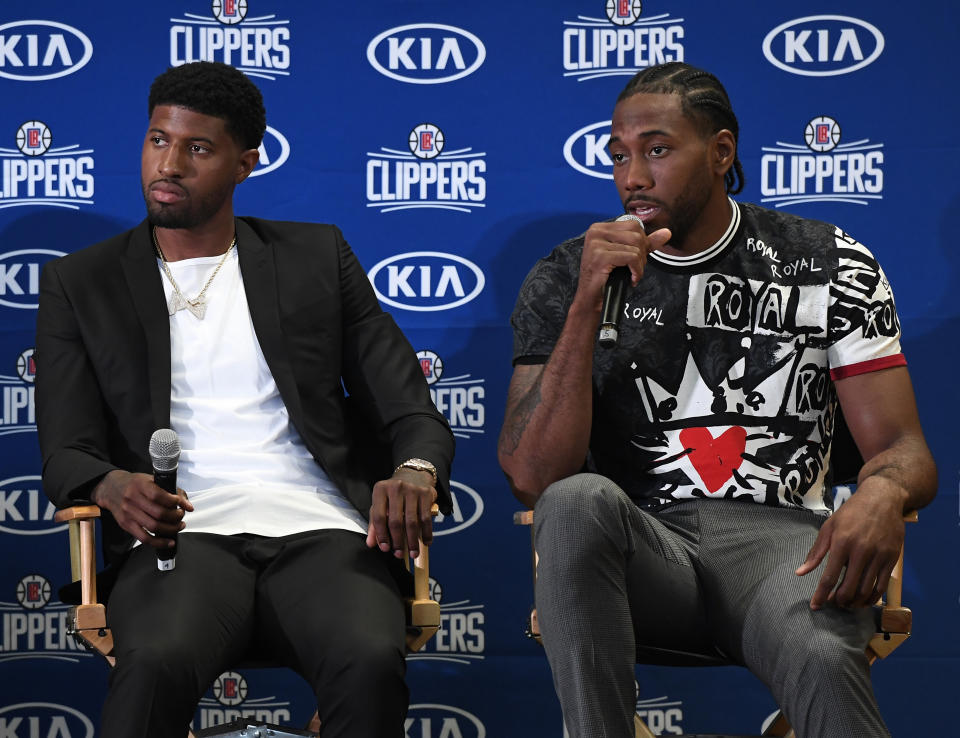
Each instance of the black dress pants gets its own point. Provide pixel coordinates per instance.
(321, 603)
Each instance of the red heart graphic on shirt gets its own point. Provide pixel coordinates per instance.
(715, 459)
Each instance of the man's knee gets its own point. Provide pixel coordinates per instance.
(576, 500)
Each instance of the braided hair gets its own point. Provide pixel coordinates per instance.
(702, 98)
(216, 89)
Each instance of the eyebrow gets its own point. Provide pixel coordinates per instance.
(192, 138)
(644, 134)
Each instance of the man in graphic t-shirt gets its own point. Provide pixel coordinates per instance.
(679, 478)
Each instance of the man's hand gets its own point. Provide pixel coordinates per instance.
(610, 245)
(863, 538)
(147, 512)
(401, 511)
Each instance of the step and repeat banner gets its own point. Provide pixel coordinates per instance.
(454, 144)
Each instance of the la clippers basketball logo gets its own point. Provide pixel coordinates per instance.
(230, 688)
(621, 44)
(459, 398)
(35, 628)
(822, 169)
(36, 173)
(233, 700)
(38, 50)
(229, 12)
(427, 175)
(33, 592)
(461, 638)
(256, 45)
(18, 408)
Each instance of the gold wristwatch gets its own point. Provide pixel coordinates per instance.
(419, 465)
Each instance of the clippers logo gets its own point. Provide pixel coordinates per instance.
(229, 12)
(460, 639)
(426, 281)
(823, 45)
(36, 174)
(467, 510)
(18, 407)
(661, 715)
(426, 53)
(230, 702)
(586, 150)
(32, 628)
(274, 151)
(20, 276)
(426, 176)
(428, 720)
(25, 510)
(43, 719)
(37, 50)
(256, 45)
(459, 398)
(621, 44)
(822, 169)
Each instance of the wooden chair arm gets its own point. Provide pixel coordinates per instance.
(423, 613)
(81, 520)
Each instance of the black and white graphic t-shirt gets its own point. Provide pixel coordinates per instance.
(720, 384)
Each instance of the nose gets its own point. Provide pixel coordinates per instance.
(637, 174)
(170, 163)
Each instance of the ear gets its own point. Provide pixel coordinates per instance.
(248, 160)
(723, 151)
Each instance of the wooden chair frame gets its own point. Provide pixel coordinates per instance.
(87, 621)
(895, 622)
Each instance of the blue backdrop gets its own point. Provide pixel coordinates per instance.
(454, 144)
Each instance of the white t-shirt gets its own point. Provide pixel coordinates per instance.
(243, 464)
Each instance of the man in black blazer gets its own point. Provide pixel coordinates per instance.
(251, 373)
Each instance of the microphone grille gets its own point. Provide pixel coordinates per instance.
(631, 216)
(164, 449)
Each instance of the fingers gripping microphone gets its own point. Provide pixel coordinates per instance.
(165, 456)
(613, 298)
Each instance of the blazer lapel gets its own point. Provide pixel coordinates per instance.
(259, 272)
(146, 291)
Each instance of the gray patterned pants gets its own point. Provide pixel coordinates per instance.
(700, 576)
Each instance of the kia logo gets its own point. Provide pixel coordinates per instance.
(426, 53)
(823, 45)
(425, 281)
(36, 50)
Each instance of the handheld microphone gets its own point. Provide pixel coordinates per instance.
(165, 456)
(613, 296)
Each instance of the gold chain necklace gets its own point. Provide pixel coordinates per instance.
(197, 305)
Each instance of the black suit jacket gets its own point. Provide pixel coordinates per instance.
(103, 362)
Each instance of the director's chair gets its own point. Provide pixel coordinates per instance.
(88, 622)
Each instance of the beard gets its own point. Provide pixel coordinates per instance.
(188, 212)
(687, 209)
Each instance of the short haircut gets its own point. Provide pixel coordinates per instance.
(702, 98)
(216, 89)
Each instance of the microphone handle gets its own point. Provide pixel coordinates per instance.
(167, 481)
(613, 296)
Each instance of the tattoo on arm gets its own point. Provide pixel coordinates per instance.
(522, 402)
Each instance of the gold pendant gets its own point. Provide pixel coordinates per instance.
(197, 307)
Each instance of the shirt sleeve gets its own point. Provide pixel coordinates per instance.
(864, 330)
(541, 309)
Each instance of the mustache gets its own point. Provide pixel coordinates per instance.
(642, 199)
